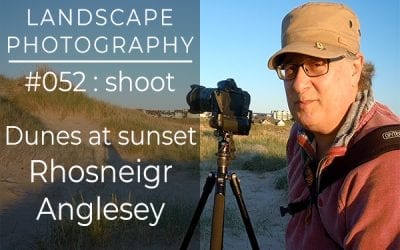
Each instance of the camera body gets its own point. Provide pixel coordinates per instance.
(228, 104)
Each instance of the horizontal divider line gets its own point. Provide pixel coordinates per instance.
(103, 61)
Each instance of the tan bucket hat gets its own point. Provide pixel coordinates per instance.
(324, 30)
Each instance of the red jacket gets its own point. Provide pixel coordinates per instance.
(359, 211)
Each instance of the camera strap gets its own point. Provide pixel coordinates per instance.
(219, 102)
(372, 145)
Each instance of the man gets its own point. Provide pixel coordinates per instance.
(328, 90)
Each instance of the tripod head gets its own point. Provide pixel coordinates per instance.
(226, 144)
(226, 152)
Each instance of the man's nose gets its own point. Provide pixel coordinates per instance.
(301, 80)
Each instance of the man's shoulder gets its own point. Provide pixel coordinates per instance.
(379, 115)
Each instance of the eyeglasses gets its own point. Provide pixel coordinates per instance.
(313, 67)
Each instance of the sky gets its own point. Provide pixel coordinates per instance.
(238, 37)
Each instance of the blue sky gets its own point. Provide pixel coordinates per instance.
(238, 37)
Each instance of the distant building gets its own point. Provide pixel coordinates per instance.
(283, 115)
(280, 123)
(258, 117)
(179, 114)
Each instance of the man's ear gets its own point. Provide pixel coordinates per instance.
(357, 65)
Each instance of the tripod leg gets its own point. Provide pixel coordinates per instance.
(217, 230)
(207, 188)
(234, 181)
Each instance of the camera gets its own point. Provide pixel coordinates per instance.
(228, 104)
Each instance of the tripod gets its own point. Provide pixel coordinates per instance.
(225, 145)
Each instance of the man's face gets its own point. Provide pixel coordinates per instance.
(320, 103)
